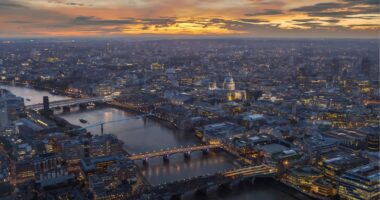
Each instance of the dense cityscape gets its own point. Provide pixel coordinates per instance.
(189, 100)
(189, 118)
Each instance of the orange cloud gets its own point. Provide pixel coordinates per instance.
(277, 18)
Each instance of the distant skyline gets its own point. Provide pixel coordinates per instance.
(194, 18)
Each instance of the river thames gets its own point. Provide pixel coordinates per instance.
(141, 135)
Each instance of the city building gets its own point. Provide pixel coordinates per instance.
(302, 177)
(3, 113)
(323, 188)
(362, 183)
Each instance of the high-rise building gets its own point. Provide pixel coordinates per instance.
(373, 138)
(3, 113)
(46, 103)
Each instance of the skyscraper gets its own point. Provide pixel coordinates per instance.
(3, 113)
(46, 103)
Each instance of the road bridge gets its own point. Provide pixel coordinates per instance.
(209, 181)
(67, 102)
(167, 152)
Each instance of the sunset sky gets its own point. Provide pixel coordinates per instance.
(245, 18)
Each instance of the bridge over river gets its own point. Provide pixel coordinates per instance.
(67, 102)
(167, 152)
(203, 183)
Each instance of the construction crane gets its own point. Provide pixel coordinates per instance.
(101, 124)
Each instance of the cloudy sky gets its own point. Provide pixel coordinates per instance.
(246, 18)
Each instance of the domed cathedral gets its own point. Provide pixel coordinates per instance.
(229, 83)
(228, 92)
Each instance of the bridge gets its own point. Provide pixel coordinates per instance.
(165, 153)
(208, 182)
(250, 171)
(67, 102)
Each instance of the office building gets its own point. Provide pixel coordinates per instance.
(362, 183)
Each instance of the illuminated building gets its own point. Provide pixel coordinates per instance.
(319, 145)
(213, 86)
(172, 76)
(302, 177)
(346, 137)
(14, 104)
(362, 183)
(23, 151)
(229, 91)
(99, 145)
(322, 188)
(48, 170)
(253, 120)
(109, 177)
(24, 171)
(334, 167)
(103, 89)
(221, 132)
(156, 66)
(229, 83)
(46, 162)
(372, 140)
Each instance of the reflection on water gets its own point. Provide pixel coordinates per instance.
(178, 168)
(138, 135)
(141, 136)
(35, 96)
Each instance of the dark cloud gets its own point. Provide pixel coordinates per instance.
(365, 25)
(8, 4)
(76, 4)
(93, 21)
(310, 24)
(340, 10)
(158, 22)
(266, 12)
(363, 17)
(19, 22)
(369, 2)
(304, 20)
(90, 20)
(331, 20)
(319, 7)
(254, 20)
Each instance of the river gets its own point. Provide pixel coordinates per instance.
(141, 135)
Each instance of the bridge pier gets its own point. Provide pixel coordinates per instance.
(235, 183)
(66, 109)
(201, 192)
(205, 151)
(187, 155)
(83, 106)
(145, 161)
(252, 180)
(166, 158)
(225, 187)
(176, 197)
